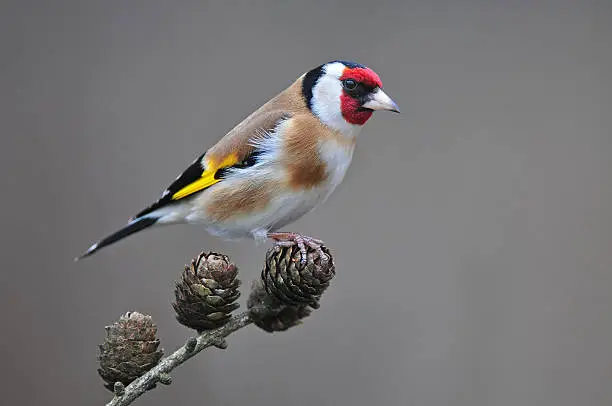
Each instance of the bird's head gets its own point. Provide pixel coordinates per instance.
(345, 94)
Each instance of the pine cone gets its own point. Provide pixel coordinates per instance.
(288, 289)
(295, 283)
(206, 293)
(129, 350)
(269, 313)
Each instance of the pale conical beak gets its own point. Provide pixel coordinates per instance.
(379, 100)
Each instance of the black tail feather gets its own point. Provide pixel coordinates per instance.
(133, 227)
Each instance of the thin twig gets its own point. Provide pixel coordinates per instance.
(160, 373)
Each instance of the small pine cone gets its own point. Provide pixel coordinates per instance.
(294, 283)
(269, 313)
(129, 350)
(206, 294)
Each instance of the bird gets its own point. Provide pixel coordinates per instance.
(275, 166)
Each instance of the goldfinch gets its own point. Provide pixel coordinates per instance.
(276, 165)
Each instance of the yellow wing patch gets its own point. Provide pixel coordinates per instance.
(207, 179)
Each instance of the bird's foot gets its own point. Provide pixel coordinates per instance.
(284, 239)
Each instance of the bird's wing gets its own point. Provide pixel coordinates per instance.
(235, 149)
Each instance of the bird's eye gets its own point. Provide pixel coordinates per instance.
(349, 84)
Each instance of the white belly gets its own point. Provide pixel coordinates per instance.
(285, 208)
(292, 206)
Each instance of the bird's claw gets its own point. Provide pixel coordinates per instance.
(302, 241)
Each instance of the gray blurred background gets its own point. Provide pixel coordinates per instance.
(472, 234)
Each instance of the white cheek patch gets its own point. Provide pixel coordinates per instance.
(326, 100)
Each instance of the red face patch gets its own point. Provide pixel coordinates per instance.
(351, 106)
(364, 75)
(351, 110)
